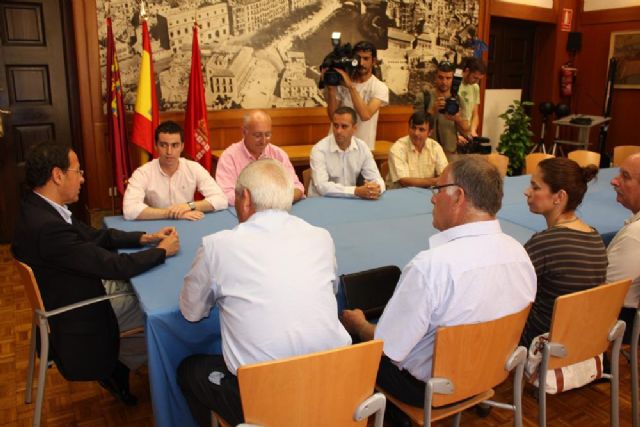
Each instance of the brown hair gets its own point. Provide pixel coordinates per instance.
(561, 173)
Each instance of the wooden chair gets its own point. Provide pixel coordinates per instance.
(585, 157)
(468, 361)
(41, 321)
(384, 170)
(531, 161)
(328, 388)
(635, 335)
(500, 161)
(306, 180)
(583, 325)
(621, 152)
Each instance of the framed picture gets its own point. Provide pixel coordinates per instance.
(625, 46)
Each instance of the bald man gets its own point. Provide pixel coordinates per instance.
(624, 250)
(255, 145)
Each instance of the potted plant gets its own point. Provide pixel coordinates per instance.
(515, 141)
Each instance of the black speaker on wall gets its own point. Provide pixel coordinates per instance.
(574, 42)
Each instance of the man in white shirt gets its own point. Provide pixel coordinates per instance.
(416, 160)
(273, 278)
(472, 272)
(624, 250)
(338, 160)
(364, 92)
(165, 187)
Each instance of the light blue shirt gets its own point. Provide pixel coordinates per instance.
(471, 273)
(64, 212)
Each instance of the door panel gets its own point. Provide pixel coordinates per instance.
(511, 55)
(33, 86)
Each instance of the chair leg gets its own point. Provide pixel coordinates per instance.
(615, 382)
(517, 394)
(32, 363)
(456, 420)
(635, 417)
(42, 372)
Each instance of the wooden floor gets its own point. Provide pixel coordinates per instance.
(87, 404)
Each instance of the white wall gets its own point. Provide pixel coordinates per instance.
(547, 4)
(608, 4)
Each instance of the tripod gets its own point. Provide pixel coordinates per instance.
(546, 108)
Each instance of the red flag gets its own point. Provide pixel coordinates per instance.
(145, 119)
(115, 116)
(196, 130)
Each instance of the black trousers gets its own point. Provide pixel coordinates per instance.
(628, 315)
(208, 386)
(400, 384)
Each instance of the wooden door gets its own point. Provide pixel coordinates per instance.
(511, 55)
(34, 72)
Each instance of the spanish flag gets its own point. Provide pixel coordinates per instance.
(196, 130)
(145, 119)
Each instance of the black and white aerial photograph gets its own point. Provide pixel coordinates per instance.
(267, 53)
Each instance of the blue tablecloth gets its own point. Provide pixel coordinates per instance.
(367, 234)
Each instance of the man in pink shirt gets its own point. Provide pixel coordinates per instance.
(256, 144)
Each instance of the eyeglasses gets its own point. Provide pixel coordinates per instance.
(435, 189)
(165, 145)
(80, 171)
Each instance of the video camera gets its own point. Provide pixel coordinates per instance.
(342, 57)
(451, 105)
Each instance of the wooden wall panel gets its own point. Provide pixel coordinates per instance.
(592, 63)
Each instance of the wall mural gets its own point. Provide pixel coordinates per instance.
(267, 53)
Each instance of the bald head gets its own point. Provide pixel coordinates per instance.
(627, 183)
(256, 129)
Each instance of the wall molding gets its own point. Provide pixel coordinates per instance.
(519, 11)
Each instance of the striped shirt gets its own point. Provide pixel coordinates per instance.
(566, 261)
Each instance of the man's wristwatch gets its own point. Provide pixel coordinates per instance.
(192, 205)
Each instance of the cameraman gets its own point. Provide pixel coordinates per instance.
(446, 126)
(364, 93)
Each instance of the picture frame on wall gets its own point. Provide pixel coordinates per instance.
(625, 46)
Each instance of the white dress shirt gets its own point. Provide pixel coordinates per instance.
(623, 253)
(273, 278)
(149, 186)
(471, 273)
(334, 171)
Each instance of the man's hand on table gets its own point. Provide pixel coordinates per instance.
(370, 190)
(166, 238)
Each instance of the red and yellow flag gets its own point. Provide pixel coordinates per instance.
(115, 116)
(196, 130)
(145, 119)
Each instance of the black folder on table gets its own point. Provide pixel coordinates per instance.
(370, 290)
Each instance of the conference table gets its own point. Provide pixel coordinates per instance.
(367, 234)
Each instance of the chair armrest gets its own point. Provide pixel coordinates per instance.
(83, 303)
(370, 406)
(518, 357)
(617, 330)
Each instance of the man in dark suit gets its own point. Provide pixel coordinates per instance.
(70, 259)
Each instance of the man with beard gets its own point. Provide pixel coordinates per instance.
(363, 92)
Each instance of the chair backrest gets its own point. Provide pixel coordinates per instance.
(30, 286)
(621, 152)
(473, 356)
(531, 161)
(306, 179)
(581, 321)
(318, 389)
(500, 161)
(384, 170)
(585, 157)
